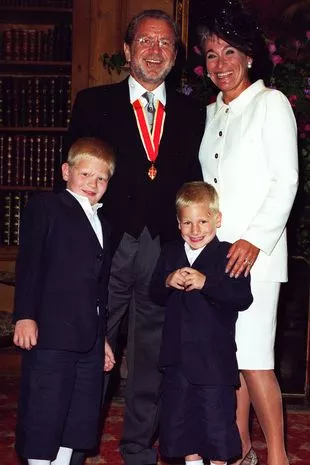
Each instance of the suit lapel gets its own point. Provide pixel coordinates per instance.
(70, 201)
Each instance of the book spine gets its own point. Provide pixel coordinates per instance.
(9, 162)
(23, 156)
(15, 218)
(38, 161)
(16, 159)
(45, 159)
(7, 44)
(7, 221)
(52, 162)
(30, 161)
(1, 101)
(1, 160)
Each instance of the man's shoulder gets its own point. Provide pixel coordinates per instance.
(103, 91)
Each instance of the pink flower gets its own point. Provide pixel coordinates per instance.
(197, 50)
(297, 44)
(293, 99)
(199, 71)
(308, 35)
(277, 59)
(272, 47)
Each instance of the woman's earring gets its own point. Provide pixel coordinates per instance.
(249, 64)
(208, 75)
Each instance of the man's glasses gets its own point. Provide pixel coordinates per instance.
(149, 42)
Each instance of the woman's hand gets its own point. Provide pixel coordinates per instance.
(242, 256)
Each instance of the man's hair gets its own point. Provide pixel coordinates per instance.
(86, 147)
(153, 14)
(197, 192)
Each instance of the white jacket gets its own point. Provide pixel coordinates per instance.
(249, 154)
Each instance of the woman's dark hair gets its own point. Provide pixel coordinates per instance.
(240, 29)
(153, 14)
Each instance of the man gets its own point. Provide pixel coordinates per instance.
(156, 139)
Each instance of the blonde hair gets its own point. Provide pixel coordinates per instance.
(197, 192)
(92, 147)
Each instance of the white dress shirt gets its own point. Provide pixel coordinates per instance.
(91, 213)
(192, 254)
(136, 91)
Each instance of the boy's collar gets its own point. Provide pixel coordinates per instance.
(85, 200)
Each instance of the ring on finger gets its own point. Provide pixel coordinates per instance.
(248, 262)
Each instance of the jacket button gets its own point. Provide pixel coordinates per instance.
(99, 256)
(215, 180)
(216, 155)
(220, 133)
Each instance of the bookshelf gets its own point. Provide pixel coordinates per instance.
(35, 104)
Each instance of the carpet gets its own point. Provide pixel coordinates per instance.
(297, 426)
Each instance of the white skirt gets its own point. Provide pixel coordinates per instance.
(256, 328)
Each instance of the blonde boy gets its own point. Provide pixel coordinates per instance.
(62, 274)
(198, 352)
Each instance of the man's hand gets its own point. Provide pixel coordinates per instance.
(109, 360)
(242, 256)
(193, 279)
(26, 334)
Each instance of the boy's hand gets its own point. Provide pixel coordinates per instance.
(176, 279)
(26, 334)
(109, 360)
(193, 279)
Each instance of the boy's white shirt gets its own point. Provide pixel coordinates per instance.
(192, 254)
(91, 213)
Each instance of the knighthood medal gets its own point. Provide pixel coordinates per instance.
(150, 140)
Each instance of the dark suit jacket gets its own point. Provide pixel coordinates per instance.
(61, 272)
(199, 329)
(133, 201)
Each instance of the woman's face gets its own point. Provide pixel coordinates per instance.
(227, 67)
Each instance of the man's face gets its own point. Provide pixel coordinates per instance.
(152, 53)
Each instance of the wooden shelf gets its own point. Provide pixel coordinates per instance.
(9, 187)
(32, 129)
(35, 9)
(8, 252)
(66, 64)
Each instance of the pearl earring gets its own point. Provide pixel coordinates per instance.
(249, 64)
(208, 75)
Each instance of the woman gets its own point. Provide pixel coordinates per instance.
(249, 154)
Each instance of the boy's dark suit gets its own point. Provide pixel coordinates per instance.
(136, 205)
(199, 329)
(62, 272)
(61, 282)
(198, 354)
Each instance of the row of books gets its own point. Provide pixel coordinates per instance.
(35, 101)
(30, 161)
(42, 3)
(11, 208)
(29, 44)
